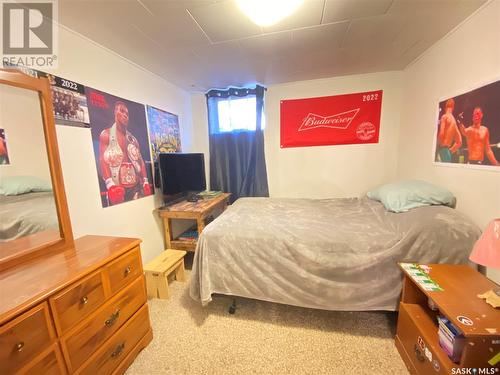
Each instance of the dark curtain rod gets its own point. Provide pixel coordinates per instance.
(235, 91)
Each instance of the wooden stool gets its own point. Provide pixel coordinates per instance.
(158, 270)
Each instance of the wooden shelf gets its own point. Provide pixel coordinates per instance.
(201, 211)
(188, 245)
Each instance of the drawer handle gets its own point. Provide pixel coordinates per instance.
(118, 350)
(418, 353)
(84, 300)
(20, 346)
(127, 271)
(112, 319)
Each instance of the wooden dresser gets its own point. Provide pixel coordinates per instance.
(82, 310)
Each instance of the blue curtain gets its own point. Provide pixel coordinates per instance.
(237, 162)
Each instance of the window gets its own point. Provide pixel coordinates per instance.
(237, 114)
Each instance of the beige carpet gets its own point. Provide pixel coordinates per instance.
(264, 338)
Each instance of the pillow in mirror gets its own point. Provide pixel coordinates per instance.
(16, 185)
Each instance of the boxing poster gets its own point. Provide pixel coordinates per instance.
(4, 153)
(121, 148)
(69, 102)
(468, 129)
(331, 120)
(164, 135)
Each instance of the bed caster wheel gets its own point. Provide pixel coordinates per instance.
(232, 308)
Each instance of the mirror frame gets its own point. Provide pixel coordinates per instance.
(37, 244)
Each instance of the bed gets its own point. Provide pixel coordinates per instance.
(26, 214)
(333, 254)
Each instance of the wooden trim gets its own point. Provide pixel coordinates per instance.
(9, 252)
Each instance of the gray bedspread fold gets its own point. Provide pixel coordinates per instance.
(334, 254)
(26, 214)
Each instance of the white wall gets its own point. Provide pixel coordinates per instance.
(21, 117)
(322, 171)
(85, 62)
(332, 171)
(200, 132)
(466, 58)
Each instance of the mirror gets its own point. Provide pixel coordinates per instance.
(33, 211)
(27, 204)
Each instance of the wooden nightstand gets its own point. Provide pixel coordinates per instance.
(417, 331)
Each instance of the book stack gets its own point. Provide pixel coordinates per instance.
(189, 235)
(450, 339)
(209, 194)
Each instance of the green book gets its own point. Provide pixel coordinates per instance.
(209, 194)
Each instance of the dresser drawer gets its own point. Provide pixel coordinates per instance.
(125, 269)
(77, 301)
(109, 356)
(87, 337)
(48, 363)
(23, 338)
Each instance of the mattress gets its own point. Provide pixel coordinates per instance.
(334, 254)
(26, 214)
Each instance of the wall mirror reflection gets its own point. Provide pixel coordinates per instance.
(27, 202)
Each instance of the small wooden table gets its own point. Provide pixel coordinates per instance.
(185, 210)
(456, 299)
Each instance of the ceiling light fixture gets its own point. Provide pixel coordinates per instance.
(268, 12)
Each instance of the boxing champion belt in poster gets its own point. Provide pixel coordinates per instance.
(331, 120)
(113, 156)
(134, 153)
(128, 176)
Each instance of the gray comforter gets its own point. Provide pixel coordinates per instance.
(26, 214)
(335, 254)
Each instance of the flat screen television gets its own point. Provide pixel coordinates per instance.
(182, 175)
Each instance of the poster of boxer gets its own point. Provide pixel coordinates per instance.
(331, 120)
(121, 148)
(468, 128)
(4, 153)
(69, 102)
(164, 134)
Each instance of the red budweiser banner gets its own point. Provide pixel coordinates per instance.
(331, 120)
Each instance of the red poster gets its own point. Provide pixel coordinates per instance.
(331, 120)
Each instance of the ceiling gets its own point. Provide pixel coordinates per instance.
(203, 44)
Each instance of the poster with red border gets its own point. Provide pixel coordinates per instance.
(331, 120)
